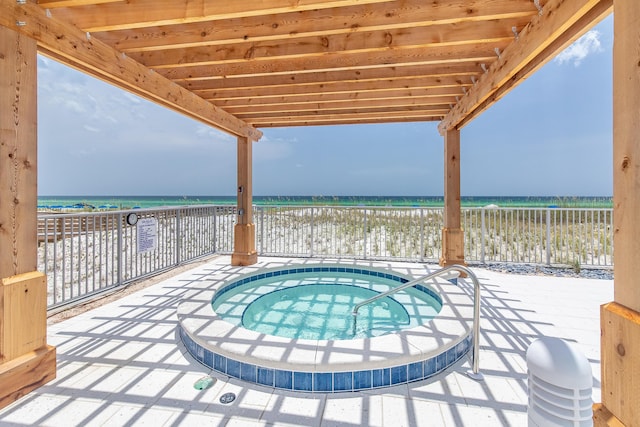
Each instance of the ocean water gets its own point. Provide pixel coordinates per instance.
(129, 202)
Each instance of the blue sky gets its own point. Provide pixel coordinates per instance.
(550, 136)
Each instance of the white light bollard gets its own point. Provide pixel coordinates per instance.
(560, 382)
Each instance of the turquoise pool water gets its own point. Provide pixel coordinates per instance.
(319, 306)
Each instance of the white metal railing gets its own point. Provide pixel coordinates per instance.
(360, 232)
(548, 236)
(86, 253)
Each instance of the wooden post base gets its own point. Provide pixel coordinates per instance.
(26, 373)
(26, 361)
(603, 418)
(244, 248)
(244, 259)
(620, 359)
(452, 247)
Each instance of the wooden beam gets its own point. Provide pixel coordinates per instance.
(18, 154)
(75, 48)
(144, 13)
(560, 23)
(466, 33)
(323, 22)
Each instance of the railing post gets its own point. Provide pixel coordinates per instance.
(119, 267)
(421, 234)
(177, 237)
(364, 247)
(548, 236)
(483, 230)
(215, 230)
(262, 230)
(312, 227)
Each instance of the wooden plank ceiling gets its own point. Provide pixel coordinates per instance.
(274, 63)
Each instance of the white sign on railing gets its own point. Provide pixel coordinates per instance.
(147, 234)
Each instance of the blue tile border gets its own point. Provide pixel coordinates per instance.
(265, 376)
(381, 377)
(283, 379)
(302, 381)
(343, 381)
(323, 381)
(327, 382)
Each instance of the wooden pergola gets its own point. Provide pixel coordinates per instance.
(242, 65)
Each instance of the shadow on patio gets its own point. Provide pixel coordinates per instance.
(123, 364)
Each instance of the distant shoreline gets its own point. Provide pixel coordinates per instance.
(89, 203)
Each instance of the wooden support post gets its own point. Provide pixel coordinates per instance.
(620, 320)
(244, 239)
(452, 233)
(18, 154)
(26, 361)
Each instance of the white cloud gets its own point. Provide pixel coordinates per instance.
(580, 49)
(91, 128)
(70, 104)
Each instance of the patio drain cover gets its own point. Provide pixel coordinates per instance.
(204, 383)
(227, 398)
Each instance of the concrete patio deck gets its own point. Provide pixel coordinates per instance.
(122, 364)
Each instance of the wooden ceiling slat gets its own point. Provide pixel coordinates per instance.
(72, 3)
(145, 13)
(329, 122)
(479, 52)
(376, 17)
(343, 105)
(352, 112)
(337, 87)
(468, 69)
(345, 118)
(342, 44)
(341, 97)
